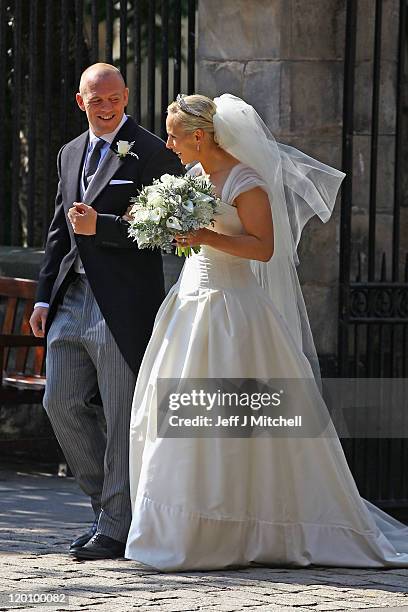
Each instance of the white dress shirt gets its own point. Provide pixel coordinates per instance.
(92, 142)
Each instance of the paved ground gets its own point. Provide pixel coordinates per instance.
(40, 514)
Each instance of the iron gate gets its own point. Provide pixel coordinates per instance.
(373, 295)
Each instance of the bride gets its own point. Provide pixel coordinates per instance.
(237, 312)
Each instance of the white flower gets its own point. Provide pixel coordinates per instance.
(142, 238)
(173, 181)
(203, 197)
(167, 178)
(123, 149)
(175, 199)
(173, 223)
(179, 182)
(188, 206)
(150, 189)
(155, 215)
(141, 215)
(156, 200)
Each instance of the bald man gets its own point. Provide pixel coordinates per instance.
(97, 298)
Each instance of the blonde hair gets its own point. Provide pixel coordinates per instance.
(190, 122)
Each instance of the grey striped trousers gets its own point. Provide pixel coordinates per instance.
(83, 356)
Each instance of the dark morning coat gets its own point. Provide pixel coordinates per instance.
(127, 282)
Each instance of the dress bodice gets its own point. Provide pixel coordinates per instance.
(211, 268)
(240, 179)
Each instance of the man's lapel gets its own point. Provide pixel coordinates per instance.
(75, 167)
(110, 164)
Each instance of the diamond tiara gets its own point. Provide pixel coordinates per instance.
(185, 107)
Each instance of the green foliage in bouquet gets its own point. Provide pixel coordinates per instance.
(172, 205)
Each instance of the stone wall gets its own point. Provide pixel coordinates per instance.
(285, 57)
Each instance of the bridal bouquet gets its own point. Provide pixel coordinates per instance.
(172, 205)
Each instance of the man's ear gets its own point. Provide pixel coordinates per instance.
(80, 101)
(126, 96)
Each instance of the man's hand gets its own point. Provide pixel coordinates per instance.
(38, 320)
(83, 219)
(127, 216)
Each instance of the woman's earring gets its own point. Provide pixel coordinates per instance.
(198, 147)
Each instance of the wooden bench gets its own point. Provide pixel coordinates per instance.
(22, 379)
(22, 363)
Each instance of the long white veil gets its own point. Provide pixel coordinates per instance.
(298, 187)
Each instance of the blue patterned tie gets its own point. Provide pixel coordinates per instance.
(93, 162)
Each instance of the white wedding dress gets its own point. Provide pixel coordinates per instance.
(210, 503)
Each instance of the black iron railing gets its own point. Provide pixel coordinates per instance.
(373, 295)
(366, 266)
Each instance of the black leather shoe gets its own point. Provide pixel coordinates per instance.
(100, 547)
(85, 537)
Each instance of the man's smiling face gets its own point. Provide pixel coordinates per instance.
(103, 97)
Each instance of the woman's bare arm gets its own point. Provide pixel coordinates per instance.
(254, 211)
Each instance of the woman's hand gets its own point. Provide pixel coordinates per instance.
(193, 239)
(257, 242)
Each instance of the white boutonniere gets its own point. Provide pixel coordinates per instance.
(124, 148)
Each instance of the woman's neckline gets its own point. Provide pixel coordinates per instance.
(228, 177)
